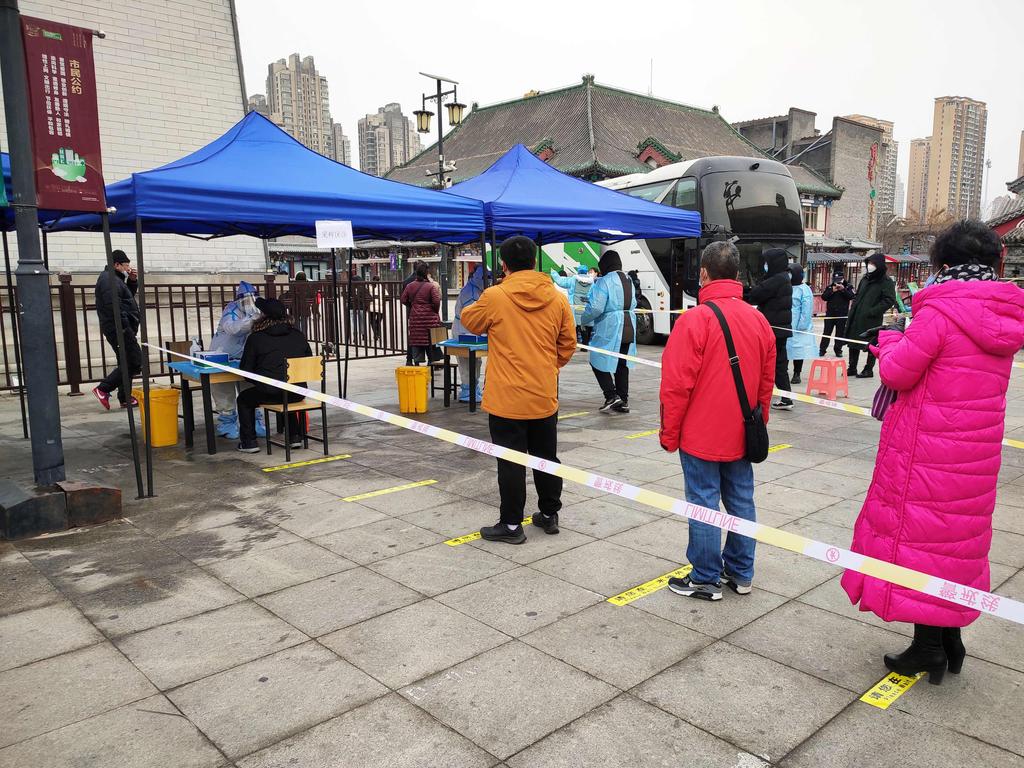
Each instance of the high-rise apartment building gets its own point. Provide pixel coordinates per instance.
(387, 138)
(957, 162)
(917, 182)
(298, 100)
(342, 145)
(899, 204)
(885, 168)
(258, 103)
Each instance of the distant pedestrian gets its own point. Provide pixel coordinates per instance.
(577, 289)
(422, 298)
(800, 346)
(123, 280)
(837, 297)
(773, 296)
(531, 336)
(875, 295)
(930, 503)
(702, 419)
(611, 310)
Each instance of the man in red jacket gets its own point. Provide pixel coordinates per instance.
(702, 419)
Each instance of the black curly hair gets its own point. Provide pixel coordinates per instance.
(966, 242)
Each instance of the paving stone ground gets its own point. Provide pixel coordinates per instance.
(259, 620)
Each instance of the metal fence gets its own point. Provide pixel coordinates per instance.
(374, 324)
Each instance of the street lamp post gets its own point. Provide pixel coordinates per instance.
(423, 115)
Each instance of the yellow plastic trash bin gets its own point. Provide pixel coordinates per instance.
(164, 416)
(412, 388)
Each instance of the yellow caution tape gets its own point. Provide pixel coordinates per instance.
(950, 591)
(475, 535)
(396, 489)
(309, 463)
(648, 587)
(888, 689)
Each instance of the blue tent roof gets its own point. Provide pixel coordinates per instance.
(257, 180)
(523, 195)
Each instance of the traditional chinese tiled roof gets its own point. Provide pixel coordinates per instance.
(1006, 209)
(595, 132)
(809, 182)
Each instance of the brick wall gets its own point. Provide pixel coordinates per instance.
(168, 82)
(850, 153)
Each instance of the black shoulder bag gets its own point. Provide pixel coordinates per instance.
(754, 429)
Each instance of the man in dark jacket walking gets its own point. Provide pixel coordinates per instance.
(773, 296)
(875, 294)
(124, 281)
(837, 297)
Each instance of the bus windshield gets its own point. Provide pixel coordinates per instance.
(747, 202)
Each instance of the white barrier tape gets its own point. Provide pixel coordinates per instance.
(986, 602)
(860, 343)
(836, 406)
(641, 311)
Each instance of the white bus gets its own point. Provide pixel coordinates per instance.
(749, 200)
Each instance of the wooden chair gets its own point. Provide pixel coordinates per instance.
(437, 335)
(300, 369)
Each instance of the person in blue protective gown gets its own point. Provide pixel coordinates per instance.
(469, 295)
(611, 310)
(232, 331)
(577, 288)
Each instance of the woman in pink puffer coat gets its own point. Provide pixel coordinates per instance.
(931, 498)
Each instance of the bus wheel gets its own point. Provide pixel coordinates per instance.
(645, 323)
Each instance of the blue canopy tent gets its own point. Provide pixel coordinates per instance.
(523, 195)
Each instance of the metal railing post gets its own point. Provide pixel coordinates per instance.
(69, 332)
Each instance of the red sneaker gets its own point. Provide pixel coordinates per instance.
(133, 403)
(103, 397)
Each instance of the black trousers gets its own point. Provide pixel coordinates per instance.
(537, 437)
(782, 367)
(133, 353)
(249, 400)
(839, 327)
(619, 384)
(855, 350)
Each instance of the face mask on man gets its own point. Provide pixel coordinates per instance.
(871, 268)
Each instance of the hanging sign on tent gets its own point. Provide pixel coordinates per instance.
(63, 116)
(334, 234)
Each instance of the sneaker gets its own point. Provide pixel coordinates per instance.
(795, 380)
(687, 588)
(132, 403)
(547, 523)
(500, 532)
(621, 407)
(610, 403)
(297, 444)
(103, 397)
(866, 374)
(851, 372)
(782, 405)
(736, 585)
(248, 448)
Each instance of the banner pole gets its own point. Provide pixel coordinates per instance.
(17, 336)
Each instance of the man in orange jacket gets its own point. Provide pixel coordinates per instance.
(531, 334)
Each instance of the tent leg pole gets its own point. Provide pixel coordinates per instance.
(495, 264)
(17, 336)
(483, 258)
(122, 358)
(148, 418)
(348, 325)
(337, 315)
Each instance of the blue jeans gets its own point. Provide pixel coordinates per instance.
(707, 483)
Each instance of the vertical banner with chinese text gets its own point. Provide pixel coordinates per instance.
(64, 116)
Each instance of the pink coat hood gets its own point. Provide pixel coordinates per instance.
(931, 498)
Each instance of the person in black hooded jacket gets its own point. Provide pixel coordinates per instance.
(124, 281)
(271, 342)
(773, 296)
(876, 293)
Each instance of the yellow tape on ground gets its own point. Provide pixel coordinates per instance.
(950, 591)
(571, 415)
(888, 689)
(475, 535)
(648, 433)
(382, 491)
(780, 447)
(648, 587)
(309, 463)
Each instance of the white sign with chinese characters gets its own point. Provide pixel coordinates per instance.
(334, 234)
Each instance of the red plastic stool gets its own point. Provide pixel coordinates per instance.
(828, 377)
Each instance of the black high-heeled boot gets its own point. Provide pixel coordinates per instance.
(954, 648)
(925, 654)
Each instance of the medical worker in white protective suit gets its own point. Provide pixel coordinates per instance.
(469, 294)
(232, 331)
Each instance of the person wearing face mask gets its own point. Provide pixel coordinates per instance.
(232, 331)
(124, 280)
(773, 296)
(875, 294)
(702, 419)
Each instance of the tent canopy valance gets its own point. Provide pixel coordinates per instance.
(523, 195)
(257, 180)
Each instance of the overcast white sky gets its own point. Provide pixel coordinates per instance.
(753, 58)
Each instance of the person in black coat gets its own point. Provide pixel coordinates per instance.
(773, 296)
(837, 297)
(876, 294)
(271, 342)
(124, 281)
